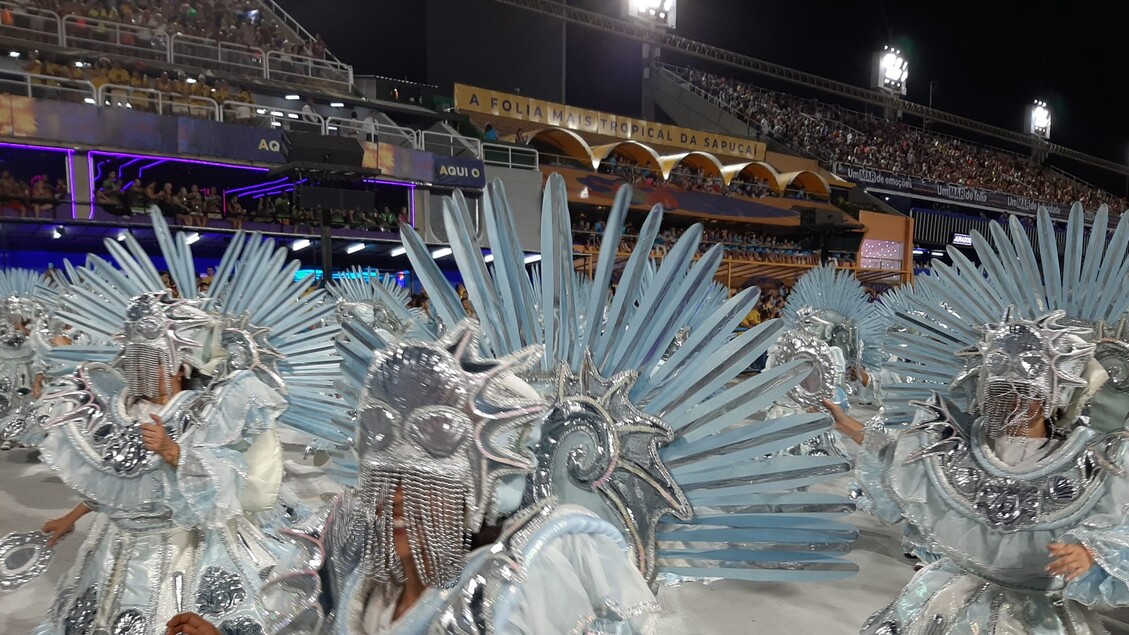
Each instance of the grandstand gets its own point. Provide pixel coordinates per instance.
(114, 112)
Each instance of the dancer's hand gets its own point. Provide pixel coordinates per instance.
(58, 528)
(1070, 560)
(190, 624)
(157, 441)
(848, 426)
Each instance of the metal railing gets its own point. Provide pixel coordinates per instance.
(47, 87)
(115, 38)
(299, 69)
(155, 45)
(450, 145)
(200, 52)
(507, 156)
(372, 131)
(289, 22)
(160, 102)
(271, 117)
(30, 23)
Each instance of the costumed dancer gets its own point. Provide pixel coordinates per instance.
(167, 431)
(1014, 471)
(643, 426)
(27, 298)
(830, 322)
(652, 423)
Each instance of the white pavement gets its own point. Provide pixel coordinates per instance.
(30, 495)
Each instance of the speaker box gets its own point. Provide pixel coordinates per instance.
(308, 147)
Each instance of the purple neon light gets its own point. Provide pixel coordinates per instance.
(69, 164)
(267, 187)
(24, 146)
(90, 173)
(257, 186)
(180, 160)
(150, 165)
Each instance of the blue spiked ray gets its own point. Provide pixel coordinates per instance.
(254, 291)
(25, 285)
(1089, 281)
(647, 384)
(382, 299)
(838, 294)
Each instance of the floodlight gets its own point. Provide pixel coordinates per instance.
(442, 252)
(532, 258)
(191, 238)
(657, 12)
(300, 244)
(891, 71)
(354, 248)
(1039, 119)
(398, 251)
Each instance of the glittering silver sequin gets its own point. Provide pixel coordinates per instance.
(130, 622)
(219, 591)
(80, 619)
(241, 626)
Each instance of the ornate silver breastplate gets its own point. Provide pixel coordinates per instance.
(1057, 488)
(101, 426)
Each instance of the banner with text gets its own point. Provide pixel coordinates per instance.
(946, 191)
(459, 172)
(545, 113)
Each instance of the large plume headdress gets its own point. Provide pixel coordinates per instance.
(1082, 271)
(654, 423)
(444, 425)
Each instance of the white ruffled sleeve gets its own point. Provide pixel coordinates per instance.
(223, 463)
(582, 580)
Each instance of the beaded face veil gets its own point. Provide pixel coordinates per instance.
(441, 425)
(1026, 369)
(161, 336)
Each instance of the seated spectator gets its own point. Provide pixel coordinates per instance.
(13, 194)
(42, 197)
(110, 197)
(194, 202)
(213, 204)
(490, 134)
(235, 213)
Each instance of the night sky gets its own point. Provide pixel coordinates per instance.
(990, 57)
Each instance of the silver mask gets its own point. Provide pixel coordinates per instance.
(1026, 369)
(434, 421)
(155, 342)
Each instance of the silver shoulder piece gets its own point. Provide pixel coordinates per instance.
(469, 607)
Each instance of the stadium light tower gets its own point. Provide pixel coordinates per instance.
(1039, 120)
(661, 13)
(891, 72)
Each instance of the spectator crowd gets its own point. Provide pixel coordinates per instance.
(33, 198)
(835, 134)
(136, 88)
(241, 22)
(196, 206)
(739, 244)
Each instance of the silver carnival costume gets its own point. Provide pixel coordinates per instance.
(447, 428)
(646, 443)
(652, 423)
(26, 299)
(982, 493)
(249, 355)
(830, 323)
